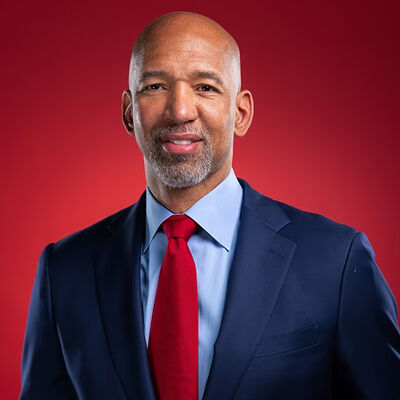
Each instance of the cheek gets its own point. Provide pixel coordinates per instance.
(147, 112)
(226, 123)
(141, 125)
(137, 116)
(221, 126)
(141, 116)
(220, 116)
(230, 123)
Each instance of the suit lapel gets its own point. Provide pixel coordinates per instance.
(262, 258)
(117, 269)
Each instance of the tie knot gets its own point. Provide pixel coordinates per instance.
(179, 226)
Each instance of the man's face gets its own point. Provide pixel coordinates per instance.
(183, 95)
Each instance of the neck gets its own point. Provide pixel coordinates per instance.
(179, 200)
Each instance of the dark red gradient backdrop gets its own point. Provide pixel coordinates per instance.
(325, 79)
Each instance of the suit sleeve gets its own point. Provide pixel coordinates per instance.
(44, 375)
(368, 340)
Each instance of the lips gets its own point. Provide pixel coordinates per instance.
(180, 143)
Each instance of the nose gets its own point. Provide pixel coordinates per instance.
(181, 105)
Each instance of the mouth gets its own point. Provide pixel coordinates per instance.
(180, 143)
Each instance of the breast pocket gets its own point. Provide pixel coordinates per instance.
(287, 342)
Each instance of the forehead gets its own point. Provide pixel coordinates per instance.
(184, 49)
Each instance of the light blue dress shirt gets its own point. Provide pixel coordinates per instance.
(212, 248)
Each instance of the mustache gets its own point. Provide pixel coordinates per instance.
(179, 128)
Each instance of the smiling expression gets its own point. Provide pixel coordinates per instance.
(184, 81)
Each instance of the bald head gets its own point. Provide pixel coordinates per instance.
(183, 26)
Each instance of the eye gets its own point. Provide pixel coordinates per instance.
(153, 87)
(206, 88)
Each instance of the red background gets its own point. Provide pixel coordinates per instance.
(324, 75)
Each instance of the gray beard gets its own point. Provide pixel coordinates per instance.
(180, 170)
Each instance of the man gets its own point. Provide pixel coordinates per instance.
(205, 288)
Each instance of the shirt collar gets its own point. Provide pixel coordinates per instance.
(217, 212)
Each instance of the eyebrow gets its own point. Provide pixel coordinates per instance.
(210, 75)
(152, 74)
(198, 74)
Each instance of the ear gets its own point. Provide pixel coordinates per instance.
(126, 110)
(244, 112)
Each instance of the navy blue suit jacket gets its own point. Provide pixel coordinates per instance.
(308, 314)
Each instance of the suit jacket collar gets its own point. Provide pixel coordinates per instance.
(266, 209)
(262, 258)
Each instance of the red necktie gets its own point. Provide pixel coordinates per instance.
(173, 343)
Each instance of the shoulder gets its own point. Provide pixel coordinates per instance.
(319, 240)
(325, 248)
(314, 225)
(87, 241)
(307, 229)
